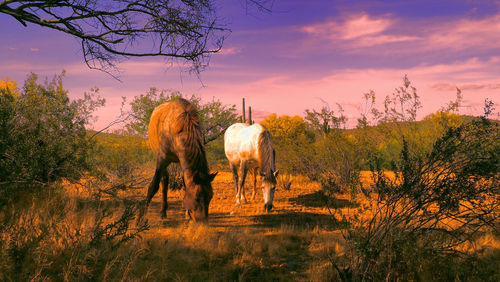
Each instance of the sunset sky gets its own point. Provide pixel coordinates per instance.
(300, 54)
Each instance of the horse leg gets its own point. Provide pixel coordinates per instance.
(254, 183)
(243, 174)
(153, 187)
(234, 169)
(164, 184)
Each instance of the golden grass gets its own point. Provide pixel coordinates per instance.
(296, 241)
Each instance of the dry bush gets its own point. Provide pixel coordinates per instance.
(285, 181)
(53, 237)
(434, 205)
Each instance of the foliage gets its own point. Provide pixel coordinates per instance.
(325, 120)
(315, 149)
(287, 128)
(433, 204)
(43, 136)
(336, 164)
(214, 116)
(216, 155)
(119, 162)
(290, 136)
(403, 104)
(120, 154)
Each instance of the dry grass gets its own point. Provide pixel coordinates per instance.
(296, 241)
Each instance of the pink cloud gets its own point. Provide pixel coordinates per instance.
(354, 26)
(359, 33)
(230, 51)
(465, 33)
(363, 25)
(358, 30)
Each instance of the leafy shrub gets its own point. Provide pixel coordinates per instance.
(43, 136)
(120, 162)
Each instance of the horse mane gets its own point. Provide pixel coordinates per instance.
(189, 124)
(266, 156)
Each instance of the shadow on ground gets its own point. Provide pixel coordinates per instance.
(320, 200)
(299, 219)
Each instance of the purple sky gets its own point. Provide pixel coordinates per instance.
(301, 53)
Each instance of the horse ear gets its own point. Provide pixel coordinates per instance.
(276, 173)
(211, 176)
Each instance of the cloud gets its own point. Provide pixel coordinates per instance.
(465, 33)
(359, 33)
(470, 86)
(353, 27)
(34, 49)
(230, 51)
(360, 30)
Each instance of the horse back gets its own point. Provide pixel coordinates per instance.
(167, 127)
(241, 143)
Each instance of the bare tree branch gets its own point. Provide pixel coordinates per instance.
(109, 30)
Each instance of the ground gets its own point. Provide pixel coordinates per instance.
(302, 205)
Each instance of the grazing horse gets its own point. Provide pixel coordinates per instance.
(249, 147)
(175, 136)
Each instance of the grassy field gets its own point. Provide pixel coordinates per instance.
(293, 242)
(72, 236)
(298, 240)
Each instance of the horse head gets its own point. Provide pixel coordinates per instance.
(268, 188)
(197, 198)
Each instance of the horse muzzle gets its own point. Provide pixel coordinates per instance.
(197, 216)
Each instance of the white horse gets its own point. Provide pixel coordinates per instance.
(249, 147)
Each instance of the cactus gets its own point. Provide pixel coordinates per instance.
(250, 115)
(243, 120)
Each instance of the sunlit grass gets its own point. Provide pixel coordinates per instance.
(53, 238)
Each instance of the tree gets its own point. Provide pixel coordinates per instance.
(215, 117)
(110, 30)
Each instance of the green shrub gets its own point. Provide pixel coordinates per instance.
(43, 136)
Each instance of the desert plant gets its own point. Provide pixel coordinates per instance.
(431, 206)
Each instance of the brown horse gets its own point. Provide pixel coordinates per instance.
(175, 136)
